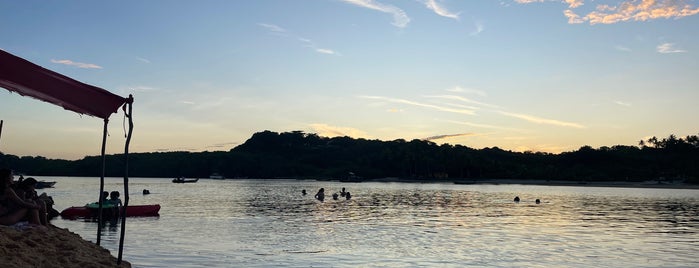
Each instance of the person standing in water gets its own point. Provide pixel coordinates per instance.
(320, 195)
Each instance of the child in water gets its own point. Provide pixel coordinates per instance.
(116, 203)
(114, 199)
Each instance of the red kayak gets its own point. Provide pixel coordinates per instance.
(131, 211)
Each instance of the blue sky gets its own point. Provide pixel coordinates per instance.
(521, 75)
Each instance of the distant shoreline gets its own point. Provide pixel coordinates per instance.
(623, 184)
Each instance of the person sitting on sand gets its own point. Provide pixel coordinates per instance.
(335, 195)
(303, 192)
(516, 198)
(26, 191)
(320, 195)
(343, 193)
(348, 196)
(14, 209)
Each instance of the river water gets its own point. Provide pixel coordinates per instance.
(263, 223)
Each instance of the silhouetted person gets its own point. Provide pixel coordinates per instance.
(516, 198)
(320, 195)
(348, 196)
(537, 201)
(146, 191)
(335, 195)
(343, 193)
(303, 192)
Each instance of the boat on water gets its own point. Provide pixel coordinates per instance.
(44, 184)
(183, 180)
(216, 176)
(92, 210)
(351, 177)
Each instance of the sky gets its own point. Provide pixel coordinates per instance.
(521, 75)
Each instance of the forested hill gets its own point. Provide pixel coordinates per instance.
(301, 155)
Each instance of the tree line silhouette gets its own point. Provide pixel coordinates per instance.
(302, 155)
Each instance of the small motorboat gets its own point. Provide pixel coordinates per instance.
(44, 184)
(91, 211)
(183, 180)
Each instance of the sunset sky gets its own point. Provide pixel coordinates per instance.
(521, 75)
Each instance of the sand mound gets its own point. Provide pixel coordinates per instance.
(52, 247)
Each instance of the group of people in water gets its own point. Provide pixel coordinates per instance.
(111, 204)
(320, 195)
(19, 201)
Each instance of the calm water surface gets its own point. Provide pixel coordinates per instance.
(262, 223)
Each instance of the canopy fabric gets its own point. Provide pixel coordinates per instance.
(29, 79)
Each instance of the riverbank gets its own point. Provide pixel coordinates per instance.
(52, 247)
(624, 184)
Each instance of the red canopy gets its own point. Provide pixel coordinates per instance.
(29, 79)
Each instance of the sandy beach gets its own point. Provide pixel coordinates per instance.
(52, 247)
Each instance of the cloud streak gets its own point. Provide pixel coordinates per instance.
(479, 125)
(77, 64)
(467, 100)
(440, 10)
(623, 103)
(626, 10)
(544, 121)
(668, 48)
(419, 104)
(400, 19)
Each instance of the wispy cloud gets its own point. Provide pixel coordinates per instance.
(459, 89)
(305, 41)
(77, 64)
(539, 120)
(467, 100)
(622, 48)
(334, 131)
(623, 103)
(667, 48)
(424, 105)
(625, 10)
(126, 89)
(479, 28)
(143, 59)
(400, 19)
(272, 27)
(478, 125)
(445, 136)
(440, 10)
(325, 51)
